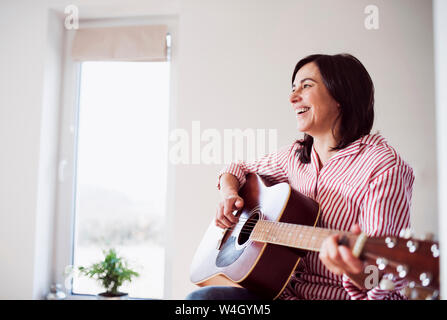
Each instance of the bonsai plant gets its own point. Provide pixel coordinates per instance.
(112, 272)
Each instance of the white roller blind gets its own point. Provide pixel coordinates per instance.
(128, 43)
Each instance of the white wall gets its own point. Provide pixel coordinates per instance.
(27, 132)
(440, 34)
(235, 60)
(49, 139)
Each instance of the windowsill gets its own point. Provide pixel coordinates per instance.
(80, 297)
(93, 297)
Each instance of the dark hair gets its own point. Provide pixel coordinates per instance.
(350, 85)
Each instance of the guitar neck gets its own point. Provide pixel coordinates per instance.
(291, 235)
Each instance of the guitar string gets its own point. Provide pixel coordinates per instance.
(307, 233)
(303, 233)
(302, 237)
(251, 224)
(255, 221)
(305, 228)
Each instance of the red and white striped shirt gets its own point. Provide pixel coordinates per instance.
(366, 183)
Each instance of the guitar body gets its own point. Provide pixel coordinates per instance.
(231, 258)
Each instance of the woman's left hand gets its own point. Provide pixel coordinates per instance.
(338, 258)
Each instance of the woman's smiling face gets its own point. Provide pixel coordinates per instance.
(315, 108)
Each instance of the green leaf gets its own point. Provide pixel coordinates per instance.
(111, 272)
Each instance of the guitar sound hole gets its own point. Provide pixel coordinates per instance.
(246, 230)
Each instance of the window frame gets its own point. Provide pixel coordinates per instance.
(67, 151)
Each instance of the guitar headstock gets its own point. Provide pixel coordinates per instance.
(405, 257)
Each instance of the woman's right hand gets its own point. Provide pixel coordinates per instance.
(229, 186)
(230, 202)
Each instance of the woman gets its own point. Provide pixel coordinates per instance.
(360, 182)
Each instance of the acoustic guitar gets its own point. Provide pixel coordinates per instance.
(277, 227)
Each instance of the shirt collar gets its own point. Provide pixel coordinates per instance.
(354, 147)
(351, 149)
(373, 139)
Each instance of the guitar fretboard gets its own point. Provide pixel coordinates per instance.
(291, 235)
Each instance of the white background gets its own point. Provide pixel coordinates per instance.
(234, 64)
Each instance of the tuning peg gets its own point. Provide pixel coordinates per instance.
(405, 233)
(390, 242)
(435, 250)
(412, 245)
(381, 263)
(425, 278)
(402, 270)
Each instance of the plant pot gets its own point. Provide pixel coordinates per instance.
(110, 296)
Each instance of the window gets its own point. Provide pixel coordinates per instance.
(121, 170)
